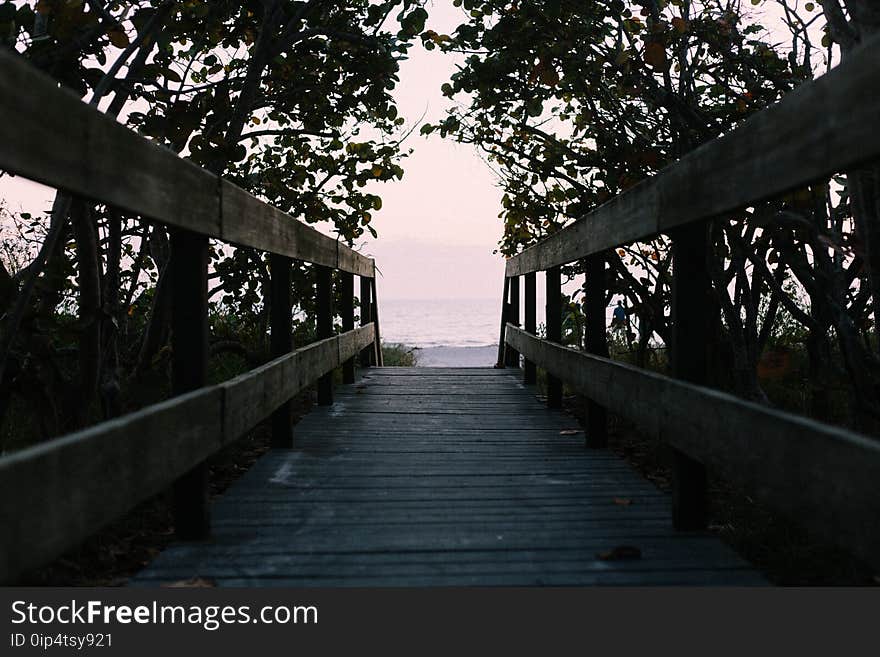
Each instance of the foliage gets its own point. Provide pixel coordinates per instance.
(573, 103)
(288, 99)
(395, 354)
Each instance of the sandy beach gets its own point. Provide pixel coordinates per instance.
(456, 356)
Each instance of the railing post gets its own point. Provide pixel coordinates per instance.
(691, 326)
(324, 291)
(346, 293)
(512, 359)
(380, 360)
(281, 339)
(595, 286)
(553, 321)
(501, 343)
(367, 353)
(189, 367)
(529, 323)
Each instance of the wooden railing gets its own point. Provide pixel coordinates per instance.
(824, 477)
(54, 495)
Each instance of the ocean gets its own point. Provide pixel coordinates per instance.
(444, 332)
(427, 323)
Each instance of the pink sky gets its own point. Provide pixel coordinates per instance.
(439, 225)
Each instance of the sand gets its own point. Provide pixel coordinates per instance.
(456, 356)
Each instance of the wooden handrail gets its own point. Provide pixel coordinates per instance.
(54, 495)
(75, 484)
(91, 155)
(823, 476)
(820, 128)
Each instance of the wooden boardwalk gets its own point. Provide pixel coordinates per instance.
(438, 477)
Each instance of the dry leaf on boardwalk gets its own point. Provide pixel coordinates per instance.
(621, 553)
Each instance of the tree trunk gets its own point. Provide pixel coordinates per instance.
(864, 187)
(90, 309)
(819, 357)
(110, 388)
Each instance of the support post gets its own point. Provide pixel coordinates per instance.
(367, 353)
(380, 360)
(189, 367)
(595, 286)
(529, 323)
(553, 321)
(346, 310)
(501, 343)
(324, 276)
(281, 339)
(512, 359)
(691, 329)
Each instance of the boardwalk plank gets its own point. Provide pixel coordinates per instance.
(399, 485)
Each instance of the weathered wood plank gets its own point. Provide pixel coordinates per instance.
(692, 331)
(663, 548)
(526, 573)
(738, 577)
(279, 514)
(252, 396)
(553, 328)
(596, 341)
(505, 301)
(422, 403)
(281, 339)
(189, 367)
(346, 313)
(351, 261)
(626, 218)
(55, 494)
(513, 316)
(824, 477)
(457, 372)
(93, 156)
(239, 506)
(374, 309)
(251, 222)
(324, 326)
(51, 136)
(367, 357)
(397, 498)
(452, 495)
(432, 421)
(75, 484)
(530, 375)
(821, 128)
(428, 380)
(351, 342)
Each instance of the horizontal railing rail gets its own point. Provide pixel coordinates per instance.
(825, 478)
(821, 128)
(54, 495)
(824, 475)
(93, 156)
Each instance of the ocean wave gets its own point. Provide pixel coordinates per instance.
(455, 346)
